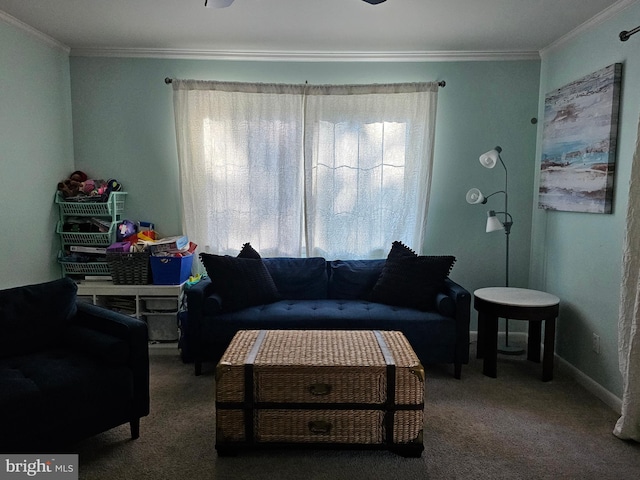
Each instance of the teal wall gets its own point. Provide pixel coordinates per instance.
(36, 152)
(578, 256)
(123, 127)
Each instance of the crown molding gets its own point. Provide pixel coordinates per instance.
(37, 34)
(306, 56)
(603, 16)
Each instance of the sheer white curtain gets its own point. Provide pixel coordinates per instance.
(299, 170)
(628, 426)
(240, 157)
(368, 162)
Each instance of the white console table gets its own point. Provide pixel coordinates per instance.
(158, 305)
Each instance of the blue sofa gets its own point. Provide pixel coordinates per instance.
(68, 370)
(314, 293)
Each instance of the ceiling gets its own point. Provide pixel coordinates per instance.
(309, 28)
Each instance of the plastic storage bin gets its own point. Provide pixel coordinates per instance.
(86, 238)
(113, 207)
(163, 327)
(160, 304)
(171, 270)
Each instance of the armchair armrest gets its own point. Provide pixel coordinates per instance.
(114, 337)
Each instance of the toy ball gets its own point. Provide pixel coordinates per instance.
(113, 185)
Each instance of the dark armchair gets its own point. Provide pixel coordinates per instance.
(68, 370)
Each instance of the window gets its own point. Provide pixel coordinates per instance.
(338, 172)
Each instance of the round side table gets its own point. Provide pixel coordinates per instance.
(518, 304)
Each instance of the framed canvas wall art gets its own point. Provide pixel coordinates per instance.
(579, 143)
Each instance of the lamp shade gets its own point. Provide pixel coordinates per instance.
(217, 3)
(475, 196)
(493, 224)
(489, 159)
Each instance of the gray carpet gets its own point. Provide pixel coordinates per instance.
(514, 427)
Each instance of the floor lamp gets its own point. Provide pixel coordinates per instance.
(475, 196)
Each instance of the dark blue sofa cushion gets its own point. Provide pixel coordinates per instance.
(33, 316)
(353, 279)
(299, 278)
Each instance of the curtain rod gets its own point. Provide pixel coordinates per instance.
(624, 35)
(169, 80)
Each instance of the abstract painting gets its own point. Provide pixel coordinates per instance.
(579, 143)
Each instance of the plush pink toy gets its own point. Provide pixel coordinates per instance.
(88, 186)
(94, 187)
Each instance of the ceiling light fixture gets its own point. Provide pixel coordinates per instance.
(226, 3)
(217, 3)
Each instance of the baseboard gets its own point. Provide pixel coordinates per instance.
(590, 385)
(580, 377)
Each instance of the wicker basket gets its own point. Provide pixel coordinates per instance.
(129, 268)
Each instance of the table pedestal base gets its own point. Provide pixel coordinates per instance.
(490, 309)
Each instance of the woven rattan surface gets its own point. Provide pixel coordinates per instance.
(320, 348)
(295, 365)
(347, 426)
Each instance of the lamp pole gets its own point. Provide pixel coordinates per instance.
(474, 196)
(508, 222)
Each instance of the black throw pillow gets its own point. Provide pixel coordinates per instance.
(240, 282)
(409, 280)
(248, 252)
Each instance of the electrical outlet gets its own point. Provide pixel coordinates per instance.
(596, 343)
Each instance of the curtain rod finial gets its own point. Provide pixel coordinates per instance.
(168, 80)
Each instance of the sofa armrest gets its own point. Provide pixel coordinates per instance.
(462, 300)
(197, 296)
(101, 330)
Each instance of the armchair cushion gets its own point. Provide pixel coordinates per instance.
(33, 316)
(105, 348)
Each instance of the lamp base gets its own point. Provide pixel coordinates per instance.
(510, 350)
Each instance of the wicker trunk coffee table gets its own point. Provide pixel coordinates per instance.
(319, 388)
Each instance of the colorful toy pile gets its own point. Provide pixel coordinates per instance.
(171, 258)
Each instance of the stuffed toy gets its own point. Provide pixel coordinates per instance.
(69, 188)
(126, 229)
(78, 176)
(113, 185)
(79, 184)
(72, 186)
(94, 187)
